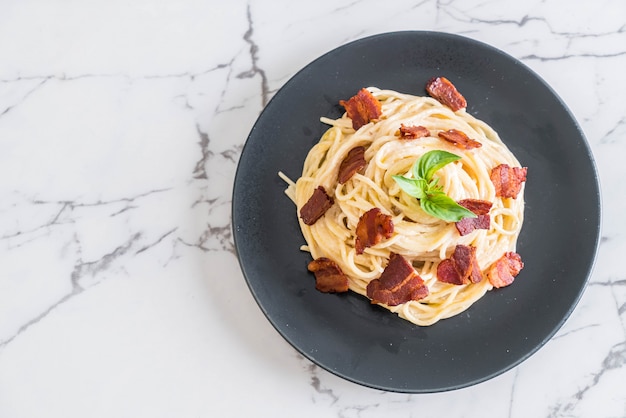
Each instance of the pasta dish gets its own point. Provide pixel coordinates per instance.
(411, 202)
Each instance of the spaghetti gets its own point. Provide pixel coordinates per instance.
(420, 238)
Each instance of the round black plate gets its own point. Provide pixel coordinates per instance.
(366, 344)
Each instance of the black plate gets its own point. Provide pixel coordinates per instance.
(366, 344)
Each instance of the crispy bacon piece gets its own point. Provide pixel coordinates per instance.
(412, 132)
(479, 207)
(459, 139)
(461, 268)
(316, 206)
(372, 227)
(508, 180)
(328, 276)
(398, 283)
(503, 271)
(482, 221)
(353, 163)
(444, 91)
(362, 108)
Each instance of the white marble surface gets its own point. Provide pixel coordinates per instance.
(121, 124)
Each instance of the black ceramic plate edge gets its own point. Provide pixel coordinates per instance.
(245, 240)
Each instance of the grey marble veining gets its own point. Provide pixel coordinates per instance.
(121, 126)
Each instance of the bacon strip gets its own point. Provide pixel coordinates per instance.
(482, 221)
(459, 139)
(316, 206)
(461, 268)
(445, 93)
(508, 180)
(353, 163)
(328, 276)
(362, 108)
(398, 283)
(503, 271)
(372, 227)
(412, 132)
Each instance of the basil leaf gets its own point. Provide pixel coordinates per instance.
(425, 188)
(426, 166)
(443, 207)
(413, 187)
(434, 187)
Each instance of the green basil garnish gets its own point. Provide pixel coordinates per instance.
(424, 187)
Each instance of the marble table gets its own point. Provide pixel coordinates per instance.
(121, 125)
